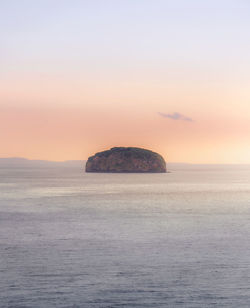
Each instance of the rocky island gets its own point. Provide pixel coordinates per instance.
(126, 159)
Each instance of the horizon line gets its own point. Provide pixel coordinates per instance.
(80, 160)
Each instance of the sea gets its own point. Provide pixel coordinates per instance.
(75, 239)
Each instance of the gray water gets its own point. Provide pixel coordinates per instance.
(71, 239)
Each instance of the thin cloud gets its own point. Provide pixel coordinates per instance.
(175, 116)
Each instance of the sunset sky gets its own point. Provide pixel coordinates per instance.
(81, 76)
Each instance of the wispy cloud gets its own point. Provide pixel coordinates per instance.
(175, 116)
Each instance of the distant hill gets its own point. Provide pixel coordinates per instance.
(19, 162)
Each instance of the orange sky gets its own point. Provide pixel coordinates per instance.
(99, 119)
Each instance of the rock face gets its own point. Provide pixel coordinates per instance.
(122, 159)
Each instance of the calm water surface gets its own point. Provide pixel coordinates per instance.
(70, 239)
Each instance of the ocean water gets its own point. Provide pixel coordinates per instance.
(75, 239)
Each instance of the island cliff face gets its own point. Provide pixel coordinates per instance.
(126, 159)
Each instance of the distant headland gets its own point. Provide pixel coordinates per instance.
(126, 159)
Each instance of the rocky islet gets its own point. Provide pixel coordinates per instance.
(126, 159)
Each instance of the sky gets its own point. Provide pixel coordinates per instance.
(81, 76)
